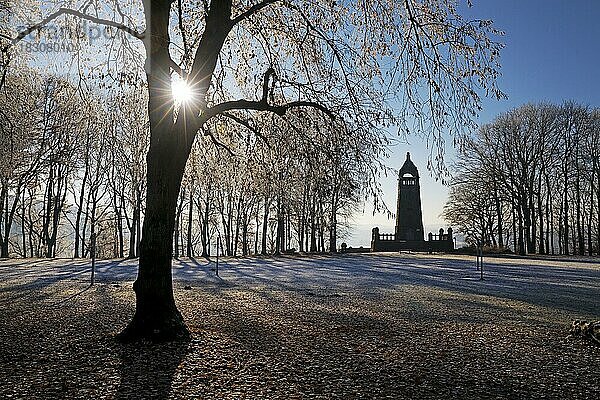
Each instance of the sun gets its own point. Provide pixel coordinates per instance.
(182, 92)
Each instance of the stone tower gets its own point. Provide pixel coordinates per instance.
(409, 218)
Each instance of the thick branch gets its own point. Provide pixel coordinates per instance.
(218, 26)
(181, 28)
(248, 126)
(177, 68)
(266, 78)
(260, 105)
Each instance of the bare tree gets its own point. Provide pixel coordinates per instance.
(543, 158)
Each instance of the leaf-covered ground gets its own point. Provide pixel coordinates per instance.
(351, 326)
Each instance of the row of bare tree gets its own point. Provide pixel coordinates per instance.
(73, 172)
(71, 169)
(530, 180)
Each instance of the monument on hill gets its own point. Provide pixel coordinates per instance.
(409, 218)
(409, 233)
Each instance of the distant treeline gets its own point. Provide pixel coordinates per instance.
(73, 169)
(530, 181)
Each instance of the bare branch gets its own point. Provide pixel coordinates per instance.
(216, 141)
(260, 106)
(252, 10)
(248, 126)
(177, 68)
(265, 91)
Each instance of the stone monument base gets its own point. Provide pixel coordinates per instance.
(442, 242)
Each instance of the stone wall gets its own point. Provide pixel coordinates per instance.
(442, 242)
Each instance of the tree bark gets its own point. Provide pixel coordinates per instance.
(499, 216)
(333, 225)
(565, 215)
(189, 251)
(542, 248)
(156, 316)
(265, 226)
(23, 238)
(82, 197)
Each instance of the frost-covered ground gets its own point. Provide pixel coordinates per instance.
(572, 284)
(395, 326)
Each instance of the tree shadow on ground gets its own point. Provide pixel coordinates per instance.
(147, 370)
(72, 297)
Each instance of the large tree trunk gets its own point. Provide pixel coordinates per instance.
(8, 220)
(333, 225)
(205, 221)
(156, 316)
(532, 237)
(132, 234)
(566, 215)
(598, 213)
(279, 234)
(236, 236)
(119, 227)
(578, 215)
(178, 223)
(549, 218)
(542, 248)
(301, 222)
(522, 250)
(23, 237)
(500, 222)
(257, 221)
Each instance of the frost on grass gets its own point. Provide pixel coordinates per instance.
(359, 326)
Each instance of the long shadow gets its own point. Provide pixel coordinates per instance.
(38, 274)
(557, 259)
(148, 370)
(558, 287)
(568, 289)
(73, 296)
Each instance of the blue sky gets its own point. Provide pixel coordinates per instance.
(552, 51)
(552, 54)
